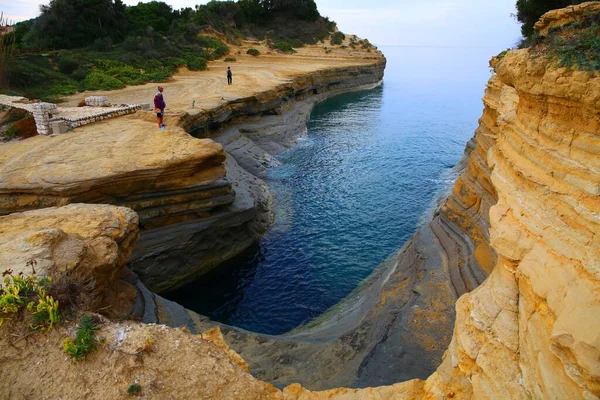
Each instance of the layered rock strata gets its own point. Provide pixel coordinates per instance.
(196, 209)
(530, 330)
(89, 245)
(169, 180)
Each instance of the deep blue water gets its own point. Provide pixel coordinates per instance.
(351, 194)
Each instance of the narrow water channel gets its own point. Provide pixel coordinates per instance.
(351, 194)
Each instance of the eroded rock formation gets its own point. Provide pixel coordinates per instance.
(531, 329)
(196, 209)
(531, 184)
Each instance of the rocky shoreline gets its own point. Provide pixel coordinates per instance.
(524, 210)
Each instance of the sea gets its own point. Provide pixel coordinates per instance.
(353, 191)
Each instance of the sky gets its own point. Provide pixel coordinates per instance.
(448, 23)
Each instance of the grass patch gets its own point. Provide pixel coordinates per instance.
(284, 47)
(85, 339)
(134, 389)
(574, 46)
(230, 59)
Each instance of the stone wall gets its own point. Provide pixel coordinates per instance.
(98, 108)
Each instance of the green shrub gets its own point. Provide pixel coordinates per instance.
(158, 76)
(67, 65)
(573, 46)
(11, 133)
(104, 44)
(209, 42)
(220, 52)
(296, 43)
(80, 73)
(39, 80)
(284, 47)
(85, 339)
(173, 62)
(29, 292)
(196, 64)
(127, 74)
(230, 59)
(337, 38)
(253, 52)
(98, 80)
(134, 389)
(107, 64)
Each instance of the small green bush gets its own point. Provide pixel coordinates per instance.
(98, 80)
(85, 339)
(230, 59)
(80, 73)
(104, 44)
(134, 389)
(337, 38)
(11, 133)
(29, 292)
(196, 64)
(253, 52)
(174, 62)
(209, 42)
(284, 47)
(220, 52)
(158, 76)
(296, 43)
(67, 65)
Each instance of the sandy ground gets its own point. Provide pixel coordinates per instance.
(251, 75)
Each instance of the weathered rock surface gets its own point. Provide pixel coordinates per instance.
(166, 363)
(530, 330)
(89, 244)
(394, 327)
(195, 209)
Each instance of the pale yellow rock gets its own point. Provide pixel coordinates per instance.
(531, 330)
(86, 243)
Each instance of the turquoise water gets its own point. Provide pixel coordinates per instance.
(352, 192)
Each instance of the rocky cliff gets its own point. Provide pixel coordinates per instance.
(526, 210)
(530, 330)
(197, 205)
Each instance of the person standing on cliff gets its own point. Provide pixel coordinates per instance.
(229, 76)
(159, 108)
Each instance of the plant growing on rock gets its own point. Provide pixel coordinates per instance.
(337, 38)
(85, 339)
(134, 389)
(20, 292)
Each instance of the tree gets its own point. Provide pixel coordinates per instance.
(77, 23)
(7, 51)
(530, 11)
(156, 14)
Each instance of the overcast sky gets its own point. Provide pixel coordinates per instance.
(472, 23)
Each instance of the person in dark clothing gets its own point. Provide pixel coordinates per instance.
(229, 76)
(159, 108)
